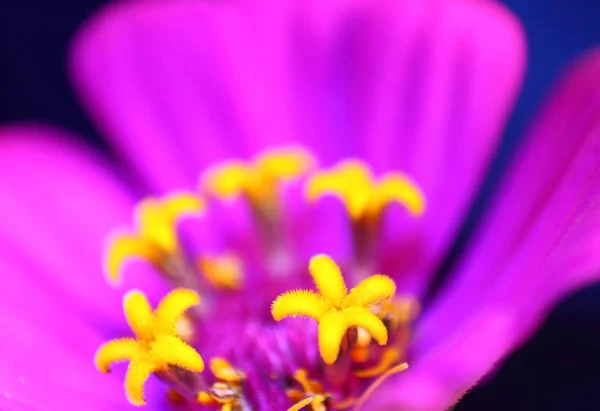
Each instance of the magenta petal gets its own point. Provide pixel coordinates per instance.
(179, 84)
(538, 243)
(47, 349)
(59, 202)
(420, 86)
(424, 87)
(156, 78)
(437, 115)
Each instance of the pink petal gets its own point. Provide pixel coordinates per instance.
(47, 348)
(441, 122)
(422, 86)
(538, 243)
(58, 203)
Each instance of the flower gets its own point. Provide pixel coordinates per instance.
(158, 347)
(334, 308)
(243, 123)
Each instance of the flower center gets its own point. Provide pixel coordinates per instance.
(362, 331)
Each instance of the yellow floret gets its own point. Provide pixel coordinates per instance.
(156, 345)
(257, 179)
(334, 308)
(362, 195)
(154, 237)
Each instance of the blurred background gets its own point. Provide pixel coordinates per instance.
(558, 370)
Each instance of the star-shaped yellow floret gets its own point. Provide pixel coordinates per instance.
(363, 195)
(155, 236)
(334, 308)
(257, 179)
(156, 345)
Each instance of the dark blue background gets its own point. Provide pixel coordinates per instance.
(558, 370)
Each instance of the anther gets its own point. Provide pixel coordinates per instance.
(156, 348)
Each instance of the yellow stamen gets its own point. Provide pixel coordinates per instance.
(369, 391)
(388, 358)
(397, 314)
(347, 403)
(334, 308)
(308, 385)
(396, 187)
(362, 195)
(154, 237)
(156, 218)
(258, 178)
(226, 391)
(205, 398)
(228, 179)
(398, 311)
(284, 163)
(222, 272)
(121, 349)
(172, 307)
(224, 371)
(316, 402)
(311, 394)
(295, 395)
(156, 346)
(360, 351)
(124, 247)
(301, 404)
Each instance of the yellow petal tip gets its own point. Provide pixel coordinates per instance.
(328, 277)
(119, 249)
(298, 303)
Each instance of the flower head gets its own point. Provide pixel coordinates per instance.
(275, 107)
